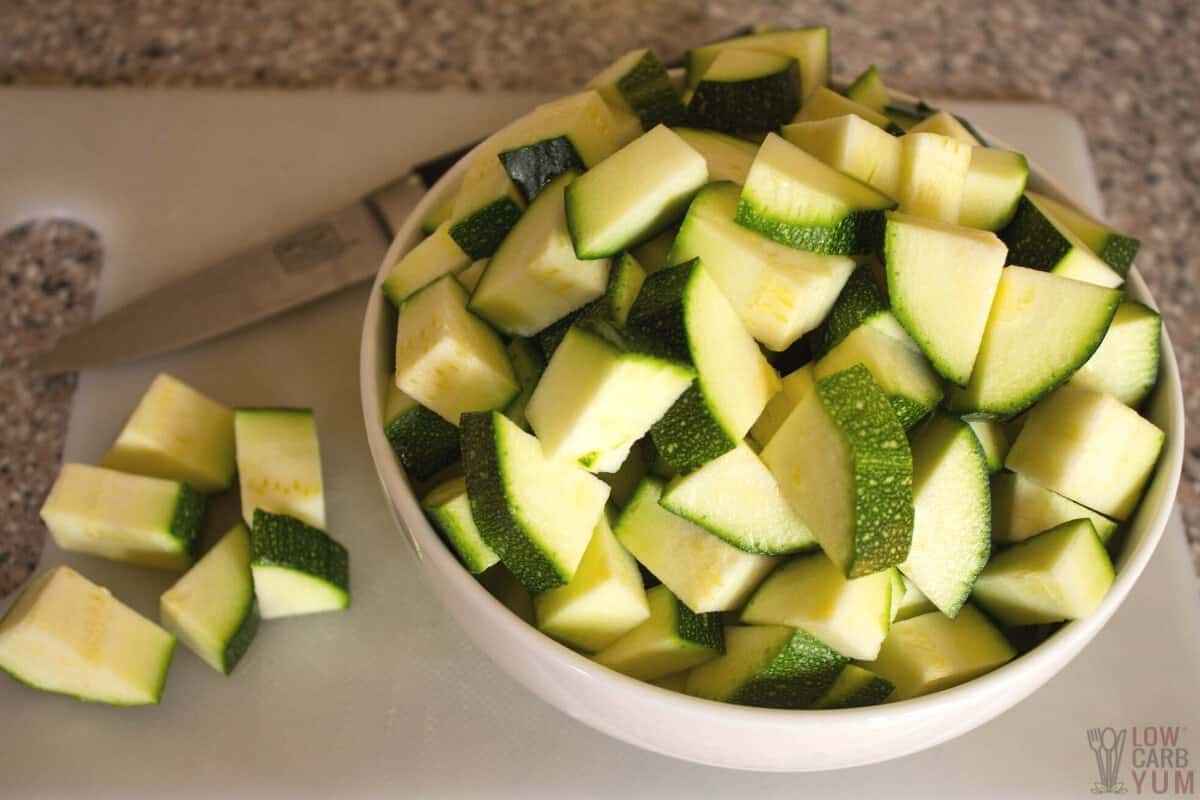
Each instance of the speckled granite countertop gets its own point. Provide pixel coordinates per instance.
(1127, 69)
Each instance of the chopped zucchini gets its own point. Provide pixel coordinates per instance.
(633, 194)
(933, 171)
(1115, 249)
(995, 182)
(624, 481)
(952, 515)
(423, 442)
(535, 277)
(942, 279)
(1021, 508)
(434, 256)
(768, 665)
(440, 213)
(703, 571)
(449, 509)
(869, 90)
(600, 393)
(486, 207)
(843, 461)
(904, 375)
(684, 311)
(793, 198)
(67, 635)
(778, 292)
(447, 359)
(469, 277)
(745, 91)
(728, 157)
(994, 441)
(945, 124)
(637, 82)
(1036, 238)
(297, 568)
(932, 652)
(862, 302)
(536, 513)
(1057, 575)
(810, 592)
(212, 608)
(178, 434)
(855, 687)
(279, 463)
(1089, 447)
(1041, 328)
(809, 46)
(1126, 363)
(132, 518)
(671, 640)
(604, 600)
(825, 104)
(758, 521)
(852, 145)
(625, 279)
(907, 599)
(793, 386)
(652, 253)
(528, 365)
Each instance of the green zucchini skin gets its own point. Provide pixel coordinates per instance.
(748, 106)
(480, 233)
(423, 442)
(533, 166)
(858, 232)
(282, 541)
(796, 678)
(239, 643)
(687, 436)
(1032, 239)
(188, 517)
(705, 629)
(860, 300)
(1119, 251)
(648, 90)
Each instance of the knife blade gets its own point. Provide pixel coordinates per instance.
(331, 252)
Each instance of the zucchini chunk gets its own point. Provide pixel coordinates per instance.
(852, 145)
(449, 509)
(933, 172)
(761, 521)
(469, 277)
(423, 442)
(1089, 447)
(1115, 249)
(1021, 509)
(1126, 363)
(794, 198)
(793, 386)
(728, 157)
(601, 392)
(528, 366)
(952, 515)
(433, 257)
(67, 635)
(808, 46)
(212, 608)
(279, 463)
(1036, 238)
(703, 571)
(672, 639)
(994, 441)
(684, 312)
(535, 276)
(779, 293)
(945, 124)
(625, 480)
(843, 461)
(745, 91)
(907, 599)
(932, 652)
(447, 359)
(1058, 575)
(942, 279)
(297, 568)
(810, 592)
(537, 514)
(855, 687)
(440, 213)
(652, 253)
(1041, 328)
(638, 83)
(773, 666)
(862, 302)
(868, 89)
(633, 194)
(178, 434)
(995, 182)
(625, 279)
(147, 521)
(828, 104)
(604, 600)
(486, 207)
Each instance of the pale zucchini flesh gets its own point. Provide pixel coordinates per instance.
(825, 104)
(793, 386)
(449, 509)
(297, 568)
(1036, 238)
(728, 157)
(995, 181)
(279, 463)
(1021, 509)
(933, 172)
(852, 145)
(868, 89)
(1115, 249)
(434, 256)
(670, 641)
(1126, 363)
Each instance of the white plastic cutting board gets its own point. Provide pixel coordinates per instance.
(390, 698)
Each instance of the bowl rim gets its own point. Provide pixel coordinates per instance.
(1053, 653)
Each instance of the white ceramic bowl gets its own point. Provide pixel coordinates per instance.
(720, 734)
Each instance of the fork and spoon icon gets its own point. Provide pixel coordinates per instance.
(1108, 745)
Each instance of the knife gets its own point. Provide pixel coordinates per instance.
(337, 250)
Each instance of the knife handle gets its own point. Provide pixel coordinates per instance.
(393, 202)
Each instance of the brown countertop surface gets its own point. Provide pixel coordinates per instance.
(1129, 71)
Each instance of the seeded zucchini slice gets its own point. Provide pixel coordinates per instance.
(933, 172)
(279, 463)
(1037, 238)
